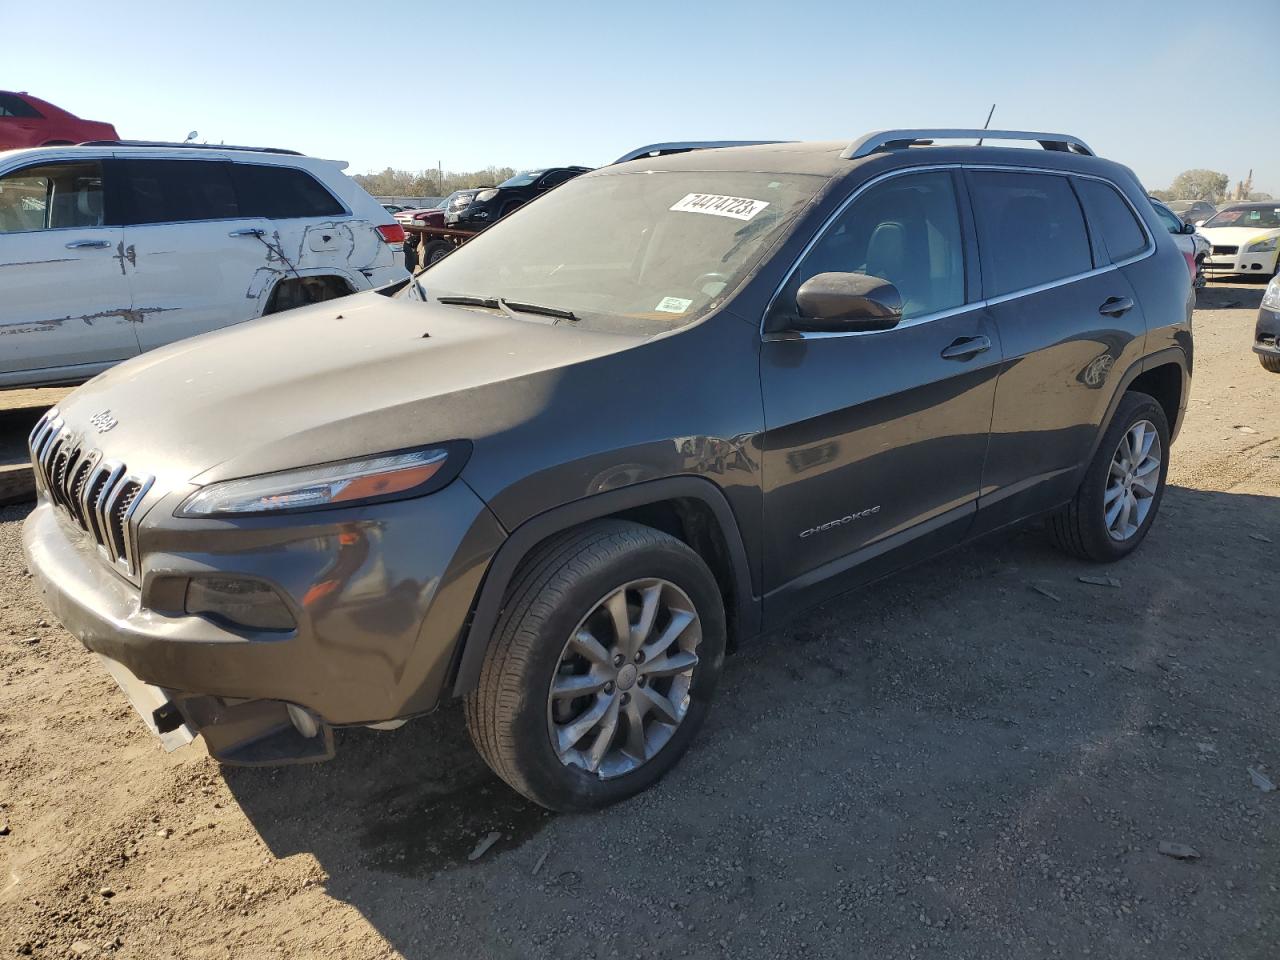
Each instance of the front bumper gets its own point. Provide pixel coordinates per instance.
(379, 594)
(1255, 264)
(1266, 334)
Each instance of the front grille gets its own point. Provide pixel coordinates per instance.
(99, 495)
(1225, 251)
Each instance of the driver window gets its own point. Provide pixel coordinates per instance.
(51, 196)
(905, 230)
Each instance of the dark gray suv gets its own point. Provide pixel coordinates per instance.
(651, 416)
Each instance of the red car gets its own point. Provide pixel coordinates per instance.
(27, 121)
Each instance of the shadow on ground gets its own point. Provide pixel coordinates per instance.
(975, 757)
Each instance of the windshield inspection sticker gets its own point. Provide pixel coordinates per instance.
(673, 305)
(740, 208)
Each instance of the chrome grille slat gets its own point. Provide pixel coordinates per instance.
(100, 496)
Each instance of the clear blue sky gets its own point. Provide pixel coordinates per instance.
(1162, 86)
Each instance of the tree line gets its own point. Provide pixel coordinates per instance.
(429, 183)
(1210, 185)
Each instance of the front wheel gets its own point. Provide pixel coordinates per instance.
(1121, 492)
(601, 668)
(1269, 363)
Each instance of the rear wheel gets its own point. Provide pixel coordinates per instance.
(1269, 363)
(435, 251)
(601, 668)
(1121, 492)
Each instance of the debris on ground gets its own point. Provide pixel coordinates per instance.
(29, 640)
(1179, 851)
(1046, 593)
(1261, 780)
(1261, 538)
(541, 860)
(1100, 581)
(483, 846)
(4, 828)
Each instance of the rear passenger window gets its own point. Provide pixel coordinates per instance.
(177, 191)
(1113, 222)
(51, 196)
(906, 231)
(1030, 230)
(282, 193)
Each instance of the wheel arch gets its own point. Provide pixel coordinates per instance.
(1164, 375)
(301, 279)
(691, 509)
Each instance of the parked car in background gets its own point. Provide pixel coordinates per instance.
(660, 411)
(1193, 244)
(392, 208)
(425, 216)
(479, 208)
(1245, 238)
(1192, 211)
(109, 251)
(1266, 334)
(27, 121)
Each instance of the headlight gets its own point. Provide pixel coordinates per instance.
(457, 203)
(484, 196)
(392, 476)
(1262, 246)
(1271, 299)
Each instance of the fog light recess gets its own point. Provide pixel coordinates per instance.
(238, 602)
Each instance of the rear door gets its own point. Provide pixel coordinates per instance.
(875, 439)
(194, 253)
(65, 299)
(1069, 323)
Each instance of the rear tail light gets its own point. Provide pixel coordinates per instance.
(391, 232)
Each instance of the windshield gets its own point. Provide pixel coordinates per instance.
(628, 251)
(1259, 216)
(523, 178)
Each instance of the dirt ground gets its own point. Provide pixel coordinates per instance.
(978, 758)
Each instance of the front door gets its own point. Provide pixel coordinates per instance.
(65, 298)
(875, 439)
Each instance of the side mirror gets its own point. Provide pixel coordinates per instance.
(848, 302)
(1188, 228)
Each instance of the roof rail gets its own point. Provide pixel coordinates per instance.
(185, 146)
(663, 149)
(897, 139)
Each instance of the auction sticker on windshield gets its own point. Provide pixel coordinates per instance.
(740, 208)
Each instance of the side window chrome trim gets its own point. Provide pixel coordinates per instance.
(1148, 251)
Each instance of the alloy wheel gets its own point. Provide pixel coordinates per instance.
(621, 688)
(1133, 480)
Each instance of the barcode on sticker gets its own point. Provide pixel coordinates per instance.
(740, 208)
(673, 305)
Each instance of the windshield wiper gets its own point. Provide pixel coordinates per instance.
(537, 308)
(509, 307)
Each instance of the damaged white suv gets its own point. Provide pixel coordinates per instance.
(108, 250)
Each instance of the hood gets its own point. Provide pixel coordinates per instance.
(361, 375)
(1237, 236)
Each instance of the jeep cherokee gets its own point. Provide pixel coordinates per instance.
(564, 470)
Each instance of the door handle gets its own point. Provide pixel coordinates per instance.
(966, 348)
(88, 244)
(247, 232)
(1115, 306)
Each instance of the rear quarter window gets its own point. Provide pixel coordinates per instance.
(1030, 230)
(282, 193)
(11, 106)
(1114, 223)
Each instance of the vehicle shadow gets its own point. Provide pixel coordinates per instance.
(1243, 295)
(992, 680)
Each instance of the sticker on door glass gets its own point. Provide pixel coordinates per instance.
(740, 208)
(673, 305)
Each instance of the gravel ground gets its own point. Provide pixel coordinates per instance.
(978, 758)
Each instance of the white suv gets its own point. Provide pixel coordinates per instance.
(110, 250)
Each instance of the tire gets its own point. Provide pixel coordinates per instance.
(434, 252)
(558, 593)
(1081, 527)
(1269, 363)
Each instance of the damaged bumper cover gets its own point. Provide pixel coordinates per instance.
(377, 602)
